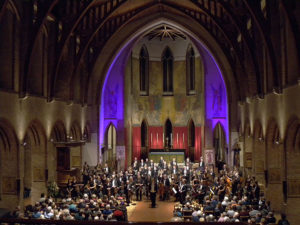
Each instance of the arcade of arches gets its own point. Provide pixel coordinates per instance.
(107, 81)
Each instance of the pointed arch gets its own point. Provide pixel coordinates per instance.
(59, 133)
(144, 71)
(190, 70)
(292, 157)
(274, 164)
(9, 45)
(35, 155)
(219, 144)
(87, 132)
(258, 152)
(109, 155)
(9, 162)
(75, 133)
(167, 62)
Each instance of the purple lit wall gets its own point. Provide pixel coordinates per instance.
(216, 105)
(112, 101)
(112, 95)
(215, 93)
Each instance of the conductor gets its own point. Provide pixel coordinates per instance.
(153, 190)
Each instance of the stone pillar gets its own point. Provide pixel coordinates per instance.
(20, 179)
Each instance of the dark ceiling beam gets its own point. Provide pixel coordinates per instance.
(66, 35)
(292, 21)
(224, 33)
(70, 32)
(34, 34)
(3, 5)
(183, 10)
(83, 51)
(261, 24)
(249, 43)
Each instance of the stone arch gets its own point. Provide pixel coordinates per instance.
(109, 154)
(59, 133)
(274, 167)
(9, 166)
(75, 132)
(9, 46)
(219, 142)
(35, 155)
(292, 169)
(258, 152)
(87, 132)
(248, 147)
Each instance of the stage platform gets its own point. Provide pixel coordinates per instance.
(178, 154)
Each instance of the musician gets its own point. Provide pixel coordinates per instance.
(142, 164)
(114, 184)
(221, 190)
(151, 164)
(165, 167)
(138, 187)
(202, 189)
(153, 189)
(174, 170)
(147, 162)
(167, 184)
(85, 173)
(201, 165)
(127, 191)
(106, 169)
(182, 190)
(186, 173)
(161, 162)
(69, 188)
(188, 163)
(174, 163)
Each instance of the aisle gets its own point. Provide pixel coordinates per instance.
(142, 211)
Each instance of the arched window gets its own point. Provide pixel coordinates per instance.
(167, 59)
(190, 71)
(144, 71)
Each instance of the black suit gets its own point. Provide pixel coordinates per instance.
(182, 192)
(153, 189)
(167, 188)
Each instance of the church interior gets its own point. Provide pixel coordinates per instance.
(106, 82)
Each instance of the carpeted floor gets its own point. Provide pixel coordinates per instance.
(142, 211)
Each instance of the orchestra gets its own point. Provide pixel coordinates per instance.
(171, 179)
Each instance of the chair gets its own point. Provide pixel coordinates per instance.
(187, 215)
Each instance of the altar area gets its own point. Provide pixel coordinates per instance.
(168, 155)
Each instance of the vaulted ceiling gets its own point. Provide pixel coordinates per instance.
(248, 32)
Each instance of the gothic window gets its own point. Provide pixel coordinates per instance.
(144, 71)
(190, 71)
(167, 59)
